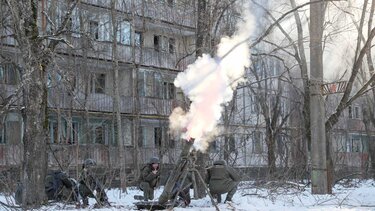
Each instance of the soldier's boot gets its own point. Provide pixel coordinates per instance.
(230, 194)
(218, 196)
(145, 195)
(85, 202)
(151, 194)
(145, 186)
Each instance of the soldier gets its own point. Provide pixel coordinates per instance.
(150, 175)
(59, 186)
(88, 184)
(222, 179)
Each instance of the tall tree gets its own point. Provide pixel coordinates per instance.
(319, 174)
(116, 97)
(37, 51)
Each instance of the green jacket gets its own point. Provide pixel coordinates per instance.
(221, 178)
(148, 176)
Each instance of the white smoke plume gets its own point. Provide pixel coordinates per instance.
(209, 84)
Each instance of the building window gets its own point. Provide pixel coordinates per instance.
(54, 132)
(12, 129)
(150, 84)
(158, 137)
(138, 39)
(157, 42)
(253, 104)
(99, 137)
(213, 147)
(341, 145)
(356, 145)
(74, 133)
(8, 74)
(123, 33)
(257, 143)
(232, 144)
(94, 29)
(98, 133)
(169, 90)
(354, 112)
(98, 83)
(141, 136)
(172, 45)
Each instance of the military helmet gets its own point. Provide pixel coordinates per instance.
(220, 162)
(89, 163)
(154, 160)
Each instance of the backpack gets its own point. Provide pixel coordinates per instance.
(54, 183)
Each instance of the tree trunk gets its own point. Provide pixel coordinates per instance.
(270, 141)
(34, 165)
(116, 99)
(319, 174)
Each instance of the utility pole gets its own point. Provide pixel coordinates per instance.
(319, 176)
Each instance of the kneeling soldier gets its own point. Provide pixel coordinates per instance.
(222, 179)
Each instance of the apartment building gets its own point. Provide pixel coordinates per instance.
(154, 41)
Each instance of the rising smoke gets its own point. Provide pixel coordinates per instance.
(209, 84)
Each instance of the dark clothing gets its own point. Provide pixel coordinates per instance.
(148, 181)
(59, 186)
(87, 185)
(222, 179)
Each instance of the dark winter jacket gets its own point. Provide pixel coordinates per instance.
(148, 176)
(89, 184)
(221, 178)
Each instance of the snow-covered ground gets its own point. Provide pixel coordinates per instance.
(355, 195)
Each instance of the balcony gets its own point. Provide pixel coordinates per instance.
(104, 103)
(144, 56)
(159, 10)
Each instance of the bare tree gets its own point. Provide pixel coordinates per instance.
(37, 52)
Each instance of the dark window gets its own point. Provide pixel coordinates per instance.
(356, 145)
(172, 44)
(280, 144)
(98, 83)
(158, 137)
(213, 146)
(257, 142)
(232, 144)
(141, 136)
(94, 29)
(157, 42)
(8, 74)
(169, 90)
(99, 135)
(74, 133)
(353, 112)
(2, 141)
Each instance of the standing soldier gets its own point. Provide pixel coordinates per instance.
(150, 175)
(222, 179)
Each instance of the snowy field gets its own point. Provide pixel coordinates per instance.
(354, 195)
